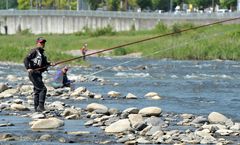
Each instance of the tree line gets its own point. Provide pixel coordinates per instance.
(117, 5)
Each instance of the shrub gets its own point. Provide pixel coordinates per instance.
(119, 51)
(161, 27)
(104, 31)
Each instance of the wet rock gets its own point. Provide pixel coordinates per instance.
(38, 116)
(119, 126)
(3, 87)
(131, 96)
(79, 91)
(75, 114)
(199, 120)
(45, 137)
(135, 119)
(6, 124)
(154, 121)
(50, 123)
(151, 94)
(150, 111)
(18, 101)
(19, 107)
(224, 132)
(26, 88)
(140, 126)
(12, 78)
(143, 140)
(132, 110)
(126, 138)
(79, 133)
(95, 106)
(57, 105)
(153, 130)
(114, 94)
(98, 96)
(8, 93)
(216, 117)
(236, 127)
(113, 111)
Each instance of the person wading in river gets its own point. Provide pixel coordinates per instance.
(36, 63)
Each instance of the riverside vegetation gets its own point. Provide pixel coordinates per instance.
(214, 42)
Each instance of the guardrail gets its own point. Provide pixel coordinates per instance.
(118, 14)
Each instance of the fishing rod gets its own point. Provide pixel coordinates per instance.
(139, 41)
(147, 39)
(156, 52)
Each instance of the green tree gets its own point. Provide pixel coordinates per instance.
(8, 4)
(228, 4)
(113, 5)
(94, 4)
(23, 4)
(144, 4)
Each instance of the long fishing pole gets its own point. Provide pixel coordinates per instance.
(156, 52)
(147, 39)
(143, 40)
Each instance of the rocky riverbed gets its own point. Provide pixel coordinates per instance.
(97, 123)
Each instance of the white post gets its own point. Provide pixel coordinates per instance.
(238, 5)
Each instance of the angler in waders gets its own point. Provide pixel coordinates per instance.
(36, 63)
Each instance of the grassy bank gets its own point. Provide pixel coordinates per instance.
(214, 42)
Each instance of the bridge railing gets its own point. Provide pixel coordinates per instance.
(118, 14)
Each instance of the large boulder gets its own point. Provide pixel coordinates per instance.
(50, 123)
(216, 117)
(150, 111)
(119, 126)
(95, 106)
(19, 107)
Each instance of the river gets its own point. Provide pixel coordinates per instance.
(196, 87)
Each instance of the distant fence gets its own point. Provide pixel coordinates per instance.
(61, 21)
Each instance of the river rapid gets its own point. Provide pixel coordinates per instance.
(195, 87)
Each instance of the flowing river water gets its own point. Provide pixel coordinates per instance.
(196, 87)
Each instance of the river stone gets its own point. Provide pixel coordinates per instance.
(12, 78)
(57, 105)
(154, 121)
(119, 126)
(151, 94)
(79, 133)
(19, 107)
(143, 140)
(79, 91)
(236, 127)
(26, 88)
(156, 98)
(131, 96)
(45, 137)
(70, 111)
(3, 87)
(132, 110)
(114, 94)
(8, 93)
(224, 132)
(150, 111)
(135, 119)
(216, 117)
(50, 123)
(95, 106)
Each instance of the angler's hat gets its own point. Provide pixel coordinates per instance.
(41, 40)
